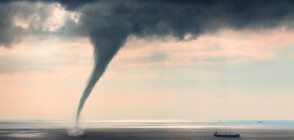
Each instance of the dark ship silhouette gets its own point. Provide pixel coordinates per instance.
(233, 135)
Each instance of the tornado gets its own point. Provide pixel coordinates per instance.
(106, 44)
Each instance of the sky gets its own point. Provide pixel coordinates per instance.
(163, 60)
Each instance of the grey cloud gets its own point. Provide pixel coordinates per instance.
(34, 14)
(150, 18)
(161, 18)
(8, 32)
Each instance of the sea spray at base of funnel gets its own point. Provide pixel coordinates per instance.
(75, 132)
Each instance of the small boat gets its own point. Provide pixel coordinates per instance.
(233, 135)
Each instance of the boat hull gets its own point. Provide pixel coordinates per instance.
(233, 136)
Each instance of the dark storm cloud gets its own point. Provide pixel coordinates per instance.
(143, 18)
(157, 17)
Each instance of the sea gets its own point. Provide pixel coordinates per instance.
(146, 130)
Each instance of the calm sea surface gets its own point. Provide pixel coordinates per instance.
(121, 130)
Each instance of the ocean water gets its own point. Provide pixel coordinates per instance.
(139, 130)
(136, 130)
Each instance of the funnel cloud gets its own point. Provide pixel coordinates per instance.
(105, 49)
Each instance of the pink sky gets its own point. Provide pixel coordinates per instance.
(150, 79)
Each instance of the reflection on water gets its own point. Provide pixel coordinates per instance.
(24, 134)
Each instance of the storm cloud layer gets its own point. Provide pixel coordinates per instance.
(109, 23)
(149, 18)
